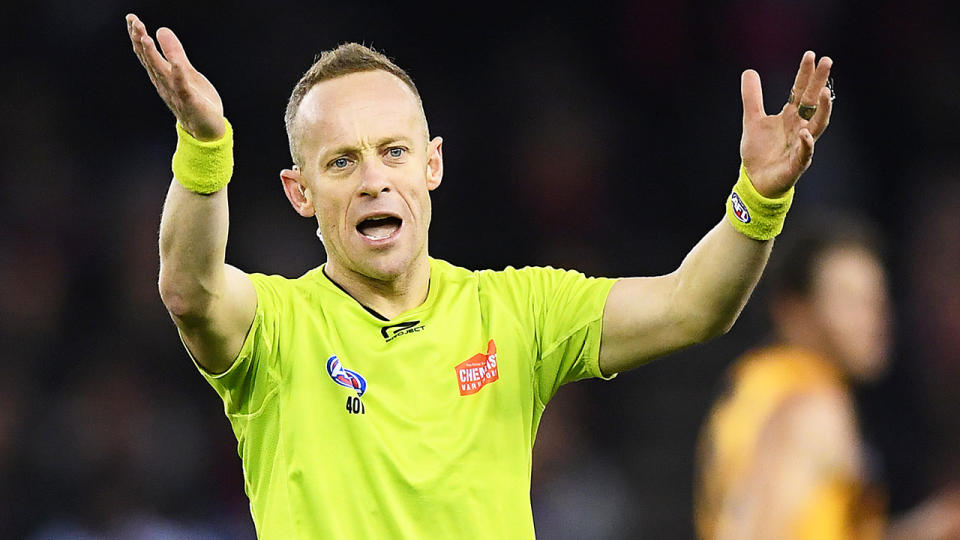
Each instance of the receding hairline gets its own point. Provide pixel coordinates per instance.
(301, 119)
(346, 59)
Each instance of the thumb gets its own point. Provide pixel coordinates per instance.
(805, 152)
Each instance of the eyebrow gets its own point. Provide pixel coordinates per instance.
(348, 149)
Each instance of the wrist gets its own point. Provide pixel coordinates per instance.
(753, 214)
(205, 133)
(203, 166)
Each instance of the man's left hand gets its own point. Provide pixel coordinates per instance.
(777, 149)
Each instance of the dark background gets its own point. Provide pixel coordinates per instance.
(600, 136)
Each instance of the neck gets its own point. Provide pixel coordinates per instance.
(806, 338)
(390, 297)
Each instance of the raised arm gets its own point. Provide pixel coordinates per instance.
(212, 303)
(648, 317)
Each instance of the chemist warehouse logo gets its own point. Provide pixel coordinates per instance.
(394, 331)
(478, 371)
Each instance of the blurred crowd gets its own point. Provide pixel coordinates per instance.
(601, 137)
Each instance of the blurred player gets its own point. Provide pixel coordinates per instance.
(780, 456)
(387, 394)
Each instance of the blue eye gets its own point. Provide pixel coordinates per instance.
(396, 152)
(340, 163)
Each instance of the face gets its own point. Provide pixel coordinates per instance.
(367, 168)
(850, 308)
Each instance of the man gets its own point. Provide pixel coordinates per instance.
(386, 394)
(780, 455)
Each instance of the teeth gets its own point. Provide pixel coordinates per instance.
(379, 227)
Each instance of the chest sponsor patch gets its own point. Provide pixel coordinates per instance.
(477, 371)
(345, 377)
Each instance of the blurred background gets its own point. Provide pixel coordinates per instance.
(600, 136)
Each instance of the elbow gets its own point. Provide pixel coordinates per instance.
(703, 326)
(721, 326)
(175, 302)
(184, 298)
(724, 327)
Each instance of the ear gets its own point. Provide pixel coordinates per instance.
(297, 193)
(434, 163)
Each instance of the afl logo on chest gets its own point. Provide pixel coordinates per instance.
(739, 209)
(345, 377)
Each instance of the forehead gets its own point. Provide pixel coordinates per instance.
(851, 269)
(358, 107)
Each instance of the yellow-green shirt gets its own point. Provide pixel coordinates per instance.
(350, 426)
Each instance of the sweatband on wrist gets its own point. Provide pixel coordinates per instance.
(753, 214)
(203, 166)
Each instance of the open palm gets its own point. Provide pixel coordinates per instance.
(187, 93)
(777, 149)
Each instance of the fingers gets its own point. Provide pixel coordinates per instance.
(158, 69)
(803, 78)
(821, 118)
(752, 95)
(133, 30)
(155, 61)
(818, 81)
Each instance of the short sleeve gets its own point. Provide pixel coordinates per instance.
(251, 380)
(569, 318)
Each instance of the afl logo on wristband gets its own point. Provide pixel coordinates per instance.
(739, 209)
(345, 377)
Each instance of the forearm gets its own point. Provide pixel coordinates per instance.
(645, 318)
(716, 279)
(193, 241)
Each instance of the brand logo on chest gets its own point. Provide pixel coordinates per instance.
(478, 371)
(394, 331)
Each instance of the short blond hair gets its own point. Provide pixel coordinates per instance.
(346, 59)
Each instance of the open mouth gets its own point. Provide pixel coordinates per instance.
(379, 227)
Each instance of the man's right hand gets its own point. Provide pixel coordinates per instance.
(212, 303)
(187, 93)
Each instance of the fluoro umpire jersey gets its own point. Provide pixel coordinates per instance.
(353, 427)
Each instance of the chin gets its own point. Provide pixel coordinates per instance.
(385, 266)
(868, 369)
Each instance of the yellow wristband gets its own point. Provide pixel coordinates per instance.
(753, 214)
(203, 166)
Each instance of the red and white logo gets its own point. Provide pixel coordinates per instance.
(477, 371)
(739, 209)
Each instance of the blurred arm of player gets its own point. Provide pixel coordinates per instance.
(805, 481)
(802, 477)
(648, 317)
(212, 303)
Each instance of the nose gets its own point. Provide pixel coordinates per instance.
(374, 178)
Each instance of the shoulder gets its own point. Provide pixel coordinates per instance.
(788, 369)
(531, 275)
(488, 278)
(817, 423)
(280, 289)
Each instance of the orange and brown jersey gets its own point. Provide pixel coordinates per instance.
(759, 386)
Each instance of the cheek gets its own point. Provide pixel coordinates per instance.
(857, 327)
(329, 216)
(417, 198)
(426, 208)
